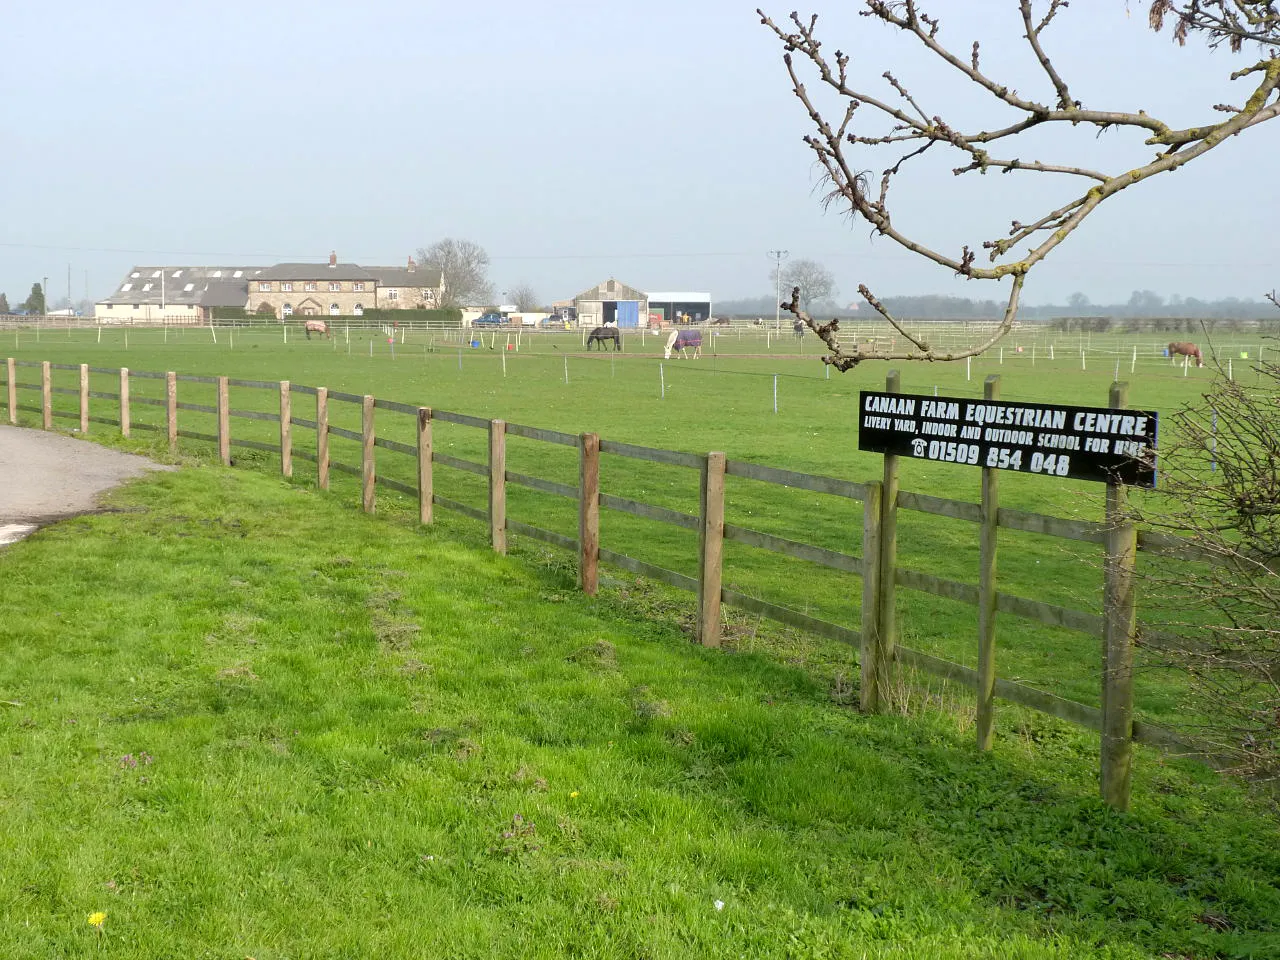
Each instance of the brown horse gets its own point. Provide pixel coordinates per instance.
(603, 335)
(1186, 350)
(316, 326)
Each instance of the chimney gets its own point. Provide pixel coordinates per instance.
(333, 259)
(412, 266)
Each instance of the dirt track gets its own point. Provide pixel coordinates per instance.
(47, 476)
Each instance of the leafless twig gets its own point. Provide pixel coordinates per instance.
(913, 130)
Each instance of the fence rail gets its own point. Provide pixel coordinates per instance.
(874, 638)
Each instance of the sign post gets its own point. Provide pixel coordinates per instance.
(1112, 445)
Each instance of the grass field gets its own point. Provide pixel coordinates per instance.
(724, 401)
(241, 719)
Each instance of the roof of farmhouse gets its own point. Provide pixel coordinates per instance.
(402, 277)
(315, 271)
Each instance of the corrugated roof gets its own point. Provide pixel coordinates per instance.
(680, 297)
(225, 293)
(176, 281)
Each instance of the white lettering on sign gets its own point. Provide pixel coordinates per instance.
(938, 429)
(984, 413)
(877, 423)
(940, 410)
(902, 406)
(1123, 423)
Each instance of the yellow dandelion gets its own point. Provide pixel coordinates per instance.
(574, 793)
(97, 919)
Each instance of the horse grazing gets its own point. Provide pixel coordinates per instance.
(602, 335)
(316, 326)
(1186, 350)
(681, 340)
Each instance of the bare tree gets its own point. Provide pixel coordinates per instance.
(1218, 617)
(813, 281)
(909, 130)
(463, 267)
(523, 296)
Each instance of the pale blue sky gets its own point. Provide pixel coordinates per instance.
(653, 141)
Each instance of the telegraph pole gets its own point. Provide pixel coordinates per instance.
(778, 257)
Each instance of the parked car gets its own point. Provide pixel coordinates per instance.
(489, 319)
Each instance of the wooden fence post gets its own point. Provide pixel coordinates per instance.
(84, 398)
(710, 549)
(989, 510)
(171, 410)
(1120, 615)
(869, 654)
(368, 476)
(224, 422)
(286, 430)
(124, 402)
(498, 484)
(322, 437)
(589, 513)
(425, 481)
(11, 368)
(46, 394)
(887, 634)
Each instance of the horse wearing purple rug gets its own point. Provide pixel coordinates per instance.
(682, 341)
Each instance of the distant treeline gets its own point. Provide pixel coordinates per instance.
(1141, 304)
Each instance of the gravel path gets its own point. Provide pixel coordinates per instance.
(47, 476)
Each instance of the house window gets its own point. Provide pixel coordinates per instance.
(238, 274)
(287, 310)
(177, 274)
(334, 310)
(358, 310)
(335, 286)
(358, 287)
(135, 274)
(156, 274)
(393, 294)
(146, 287)
(126, 288)
(216, 274)
(264, 287)
(136, 305)
(110, 305)
(286, 288)
(309, 286)
(188, 288)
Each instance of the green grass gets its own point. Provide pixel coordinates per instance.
(721, 402)
(244, 719)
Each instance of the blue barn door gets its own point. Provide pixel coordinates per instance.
(628, 313)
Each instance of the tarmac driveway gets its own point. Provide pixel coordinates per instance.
(47, 476)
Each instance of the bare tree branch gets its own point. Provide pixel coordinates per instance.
(913, 131)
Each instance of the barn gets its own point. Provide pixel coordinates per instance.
(611, 302)
(679, 307)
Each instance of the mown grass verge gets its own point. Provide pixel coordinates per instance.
(241, 719)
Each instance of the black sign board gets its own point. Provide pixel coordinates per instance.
(1086, 443)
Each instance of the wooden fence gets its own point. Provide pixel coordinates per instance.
(876, 637)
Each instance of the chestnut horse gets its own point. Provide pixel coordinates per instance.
(316, 326)
(1186, 350)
